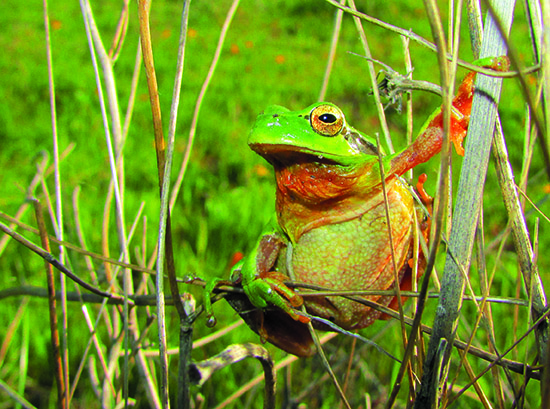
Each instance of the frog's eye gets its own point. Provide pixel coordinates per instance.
(327, 120)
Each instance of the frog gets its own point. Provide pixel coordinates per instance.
(339, 198)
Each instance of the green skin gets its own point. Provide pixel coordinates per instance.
(330, 228)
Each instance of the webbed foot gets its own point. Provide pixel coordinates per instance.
(270, 289)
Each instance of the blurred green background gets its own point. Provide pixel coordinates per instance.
(275, 53)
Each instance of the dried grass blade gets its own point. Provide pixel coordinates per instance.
(15, 396)
(59, 206)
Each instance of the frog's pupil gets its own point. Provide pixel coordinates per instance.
(327, 118)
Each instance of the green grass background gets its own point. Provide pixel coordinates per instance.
(275, 53)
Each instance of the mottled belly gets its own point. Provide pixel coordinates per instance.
(356, 255)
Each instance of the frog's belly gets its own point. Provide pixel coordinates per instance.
(356, 255)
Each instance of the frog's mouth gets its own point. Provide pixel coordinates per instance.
(283, 156)
(307, 176)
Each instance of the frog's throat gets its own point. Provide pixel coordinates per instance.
(316, 183)
(297, 214)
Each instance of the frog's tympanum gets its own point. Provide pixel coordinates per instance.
(331, 229)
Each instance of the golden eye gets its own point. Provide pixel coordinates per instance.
(327, 120)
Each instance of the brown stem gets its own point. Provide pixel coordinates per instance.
(61, 387)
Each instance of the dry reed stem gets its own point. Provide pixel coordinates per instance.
(193, 128)
(332, 52)
(201, 371)
(59, 370)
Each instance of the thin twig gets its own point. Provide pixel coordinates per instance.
(120, 33)
(113, 137)
(70, 246)
(253, 382)
(133, 93)
(59, 206)
(15, 396)
(201, 371)
(47, 256)
(499, 357)
(442, 192)
(429, 45)
(332, 53)
(165, 248)
(200, 98)
(59, 371)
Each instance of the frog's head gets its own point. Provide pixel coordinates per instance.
(319, 133)
(316, 155)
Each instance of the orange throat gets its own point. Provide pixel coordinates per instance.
(312, 194)
(313, 183)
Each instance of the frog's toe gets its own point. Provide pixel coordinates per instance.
(211, 321)
(269, 290)
(287, 300)
(287, 305)
(296, 316)
(276, 283)
(208, 293)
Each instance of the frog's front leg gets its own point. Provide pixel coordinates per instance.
(208, 291)
(430, 139)
(264, 286)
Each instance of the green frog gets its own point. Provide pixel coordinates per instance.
(331, 229)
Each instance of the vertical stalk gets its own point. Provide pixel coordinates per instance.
(54, 332)
(113, 137)
(58, 201)
(442, 192)
(333, 45)
(160, 147)
(466, 212)
(165, 235)
(165, 257)
(192, 131)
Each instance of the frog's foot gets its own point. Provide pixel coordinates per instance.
(208, 291)
(270, 289)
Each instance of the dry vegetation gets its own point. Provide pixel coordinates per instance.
(110, 290)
